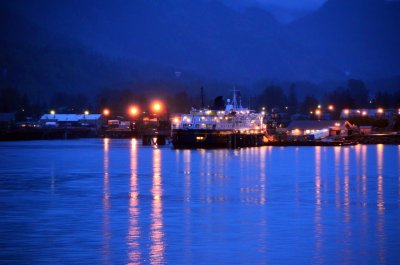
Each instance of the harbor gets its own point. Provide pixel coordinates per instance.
(232, 127)
(200, 132)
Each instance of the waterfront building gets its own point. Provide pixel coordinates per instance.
(318, 129)
(72, 120)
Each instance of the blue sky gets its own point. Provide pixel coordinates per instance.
(283, 10)
(287, 4)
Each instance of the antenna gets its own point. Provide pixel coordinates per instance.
(234, 100)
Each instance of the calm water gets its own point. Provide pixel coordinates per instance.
(116, 202)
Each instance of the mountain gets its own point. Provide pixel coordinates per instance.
(361, 37)
(41, 62)
(203, 36)
(84, 45)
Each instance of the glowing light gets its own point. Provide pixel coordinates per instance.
(176, 120)
(337, 124)
(364, 113)
(330, 107)
(106, 112)
(380, 110)
(296, 132)
(156, 106)
(319, 106)
(86, 112)
(346, 111)
(318, 112)
(133, 111)
(52, 112)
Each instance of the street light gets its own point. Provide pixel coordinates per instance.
(318, 113)
(330, 107)
(52, 112)
(106, 112)
(86, 112)
(156, 107)
(133, 111)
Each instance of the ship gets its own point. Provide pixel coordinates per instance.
(234, 127)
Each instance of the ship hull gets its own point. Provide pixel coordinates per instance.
(191, 139)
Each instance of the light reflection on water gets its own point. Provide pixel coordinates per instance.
(106, 249)
(156, 229)
(123, 203)
(133, 239)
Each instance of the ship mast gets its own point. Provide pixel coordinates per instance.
(235, 104)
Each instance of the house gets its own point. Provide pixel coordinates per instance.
(72, 120)
(365, 129)
(318, 129)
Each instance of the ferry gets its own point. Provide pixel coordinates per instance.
(233, 127)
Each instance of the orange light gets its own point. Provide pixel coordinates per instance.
(176, 120)
(317, 112)
(346, 111)
(156, 106)
(364, 113)
(133, 111)
(380, 110)
(106, 112)
(330, 107)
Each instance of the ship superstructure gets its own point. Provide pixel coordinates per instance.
(233, 127)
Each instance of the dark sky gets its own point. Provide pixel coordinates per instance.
(287, 4)
(283, 10)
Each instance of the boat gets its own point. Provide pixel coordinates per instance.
(233, 127)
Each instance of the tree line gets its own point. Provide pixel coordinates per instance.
(354, 94)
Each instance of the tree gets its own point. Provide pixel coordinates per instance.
(272, 97)
(219, 103)
(383, 99)
(310, 103)
(359, 92)
(341, 98)
(292, 99)
(10, 99)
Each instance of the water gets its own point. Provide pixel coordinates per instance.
(117, 202)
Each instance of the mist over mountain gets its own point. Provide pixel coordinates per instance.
(85, 45)
(361, 37)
